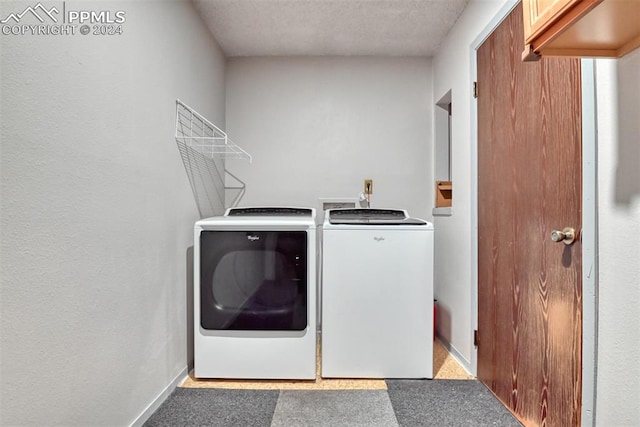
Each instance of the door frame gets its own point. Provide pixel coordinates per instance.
(589, 233)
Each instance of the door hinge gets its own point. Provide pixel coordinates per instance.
(475, 89)
(475, 337)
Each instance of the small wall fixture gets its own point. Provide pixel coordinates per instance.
(444, 194)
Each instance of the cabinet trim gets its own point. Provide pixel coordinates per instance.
(592, 28)
(547, 34)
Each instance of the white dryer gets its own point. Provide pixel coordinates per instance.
(255, 294)
(377, 295)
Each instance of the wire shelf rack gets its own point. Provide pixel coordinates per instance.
(198, 133)
(204, 149)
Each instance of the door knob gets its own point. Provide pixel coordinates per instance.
(567, 235)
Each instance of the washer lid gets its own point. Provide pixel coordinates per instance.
(372, 217)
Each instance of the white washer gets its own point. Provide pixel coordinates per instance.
(255, 294)
(377, 295)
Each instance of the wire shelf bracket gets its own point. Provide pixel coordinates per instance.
(204, 148)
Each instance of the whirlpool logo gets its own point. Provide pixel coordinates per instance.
(253, 238)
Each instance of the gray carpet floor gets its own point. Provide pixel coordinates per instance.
(406, 403)
(216, 408)
(317, 408)
(446, 403)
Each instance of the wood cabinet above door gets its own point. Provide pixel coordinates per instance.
(588, 28)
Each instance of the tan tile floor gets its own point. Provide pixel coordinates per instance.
(444, 367)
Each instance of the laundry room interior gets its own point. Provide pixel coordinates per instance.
(99, 198)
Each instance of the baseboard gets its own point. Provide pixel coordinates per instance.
(155, 404)
(456, 355)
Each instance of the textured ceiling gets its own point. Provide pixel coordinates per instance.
(329, 27)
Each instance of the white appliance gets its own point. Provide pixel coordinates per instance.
(377, 295)
(255, 294)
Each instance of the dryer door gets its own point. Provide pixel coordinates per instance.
(253, 280)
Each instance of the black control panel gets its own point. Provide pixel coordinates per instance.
(368, 216)
(368, 213)
(270, 211)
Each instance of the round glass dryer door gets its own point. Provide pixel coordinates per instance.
(253, 280)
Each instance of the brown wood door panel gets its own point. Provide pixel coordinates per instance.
(529, 183)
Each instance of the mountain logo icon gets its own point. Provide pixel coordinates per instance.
(38, 11)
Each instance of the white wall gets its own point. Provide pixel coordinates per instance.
(452, 71)
(97, 213)
(317, 127)
(618, 385)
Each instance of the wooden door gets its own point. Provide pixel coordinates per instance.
(529, 183)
